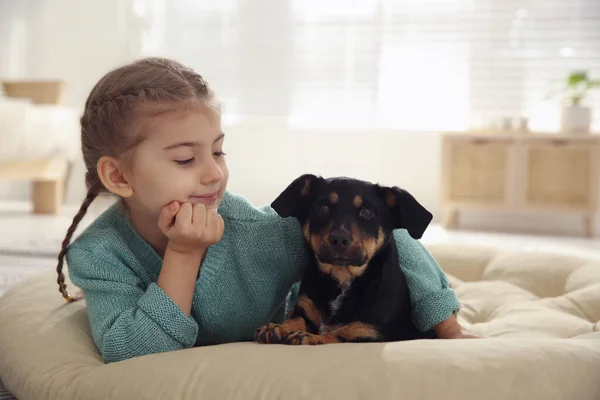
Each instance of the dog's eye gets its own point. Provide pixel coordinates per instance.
(323, 210)
(365, 213)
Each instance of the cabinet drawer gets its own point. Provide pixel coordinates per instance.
(559, 173)
(477, 171)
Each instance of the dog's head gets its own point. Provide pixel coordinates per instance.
(347, 221)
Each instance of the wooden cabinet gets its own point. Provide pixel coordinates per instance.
(477, 171)
(533, 172)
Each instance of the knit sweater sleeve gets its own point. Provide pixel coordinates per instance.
(127, 319)
(297, 250)
(432, 299)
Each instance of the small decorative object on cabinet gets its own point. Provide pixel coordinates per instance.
(575, 118)
(520, 172)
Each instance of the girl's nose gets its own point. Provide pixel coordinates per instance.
(211, 173)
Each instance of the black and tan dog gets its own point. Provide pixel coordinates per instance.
(353, 289)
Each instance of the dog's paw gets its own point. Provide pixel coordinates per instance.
(303, 338)
(270, 333)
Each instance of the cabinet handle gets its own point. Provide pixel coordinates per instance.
(480, 141)
(559, 142)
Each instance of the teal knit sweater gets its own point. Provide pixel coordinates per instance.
(245, 281)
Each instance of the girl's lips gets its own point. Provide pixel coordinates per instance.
(206, 198)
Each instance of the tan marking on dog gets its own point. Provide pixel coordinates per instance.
(306, 231)
(325, 267)
(356, 330)
(310, 310)
(343, 275)
(390, 199)
(273, 333)
(357, 201)
(317, 240)
(305, 339)
(337, 334)
(306, 189)
(295, 324)
(370, 246)
(356, 270)
(333, 198)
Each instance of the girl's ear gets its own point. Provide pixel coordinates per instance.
(293, 200)
(111, 174)
(407, 212)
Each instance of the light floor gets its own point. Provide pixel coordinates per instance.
(29, 244)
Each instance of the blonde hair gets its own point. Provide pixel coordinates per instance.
(111, 120)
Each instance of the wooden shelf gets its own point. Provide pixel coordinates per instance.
(520, 172)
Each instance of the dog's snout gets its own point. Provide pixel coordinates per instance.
(339, 239)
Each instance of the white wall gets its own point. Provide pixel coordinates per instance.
(79, 41)
(264, 160)
(66, 39)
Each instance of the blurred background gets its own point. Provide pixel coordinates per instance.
(485, 110)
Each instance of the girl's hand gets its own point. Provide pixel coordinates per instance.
(461, 334)
(451, 329)
(190, 228)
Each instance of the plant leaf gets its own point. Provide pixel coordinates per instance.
(575, 78)
(594, 83)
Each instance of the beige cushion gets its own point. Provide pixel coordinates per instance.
(540, 312)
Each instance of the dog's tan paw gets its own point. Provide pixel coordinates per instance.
(270, 333)
(303, 338)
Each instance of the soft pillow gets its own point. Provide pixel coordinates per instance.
(540, 311)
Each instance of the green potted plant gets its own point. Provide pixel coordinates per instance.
(575, 118)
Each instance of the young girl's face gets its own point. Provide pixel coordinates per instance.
(181, 160)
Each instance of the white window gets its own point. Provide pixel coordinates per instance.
(400, 64)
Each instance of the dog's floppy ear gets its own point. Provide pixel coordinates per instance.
(290, 202)
(407, 212)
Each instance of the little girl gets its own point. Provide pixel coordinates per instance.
(161, 270)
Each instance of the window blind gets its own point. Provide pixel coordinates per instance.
(397, 64)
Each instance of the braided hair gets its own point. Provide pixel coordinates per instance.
(110, 124)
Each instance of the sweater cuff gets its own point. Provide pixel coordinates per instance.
(168, 316)
(435, 308)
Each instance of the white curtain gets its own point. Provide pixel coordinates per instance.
(418, 65)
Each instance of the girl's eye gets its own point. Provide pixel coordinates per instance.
(365, 213)
(185, 162)
(323, 211)
(219, 154)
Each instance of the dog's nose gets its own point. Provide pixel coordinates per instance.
(339, 239)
